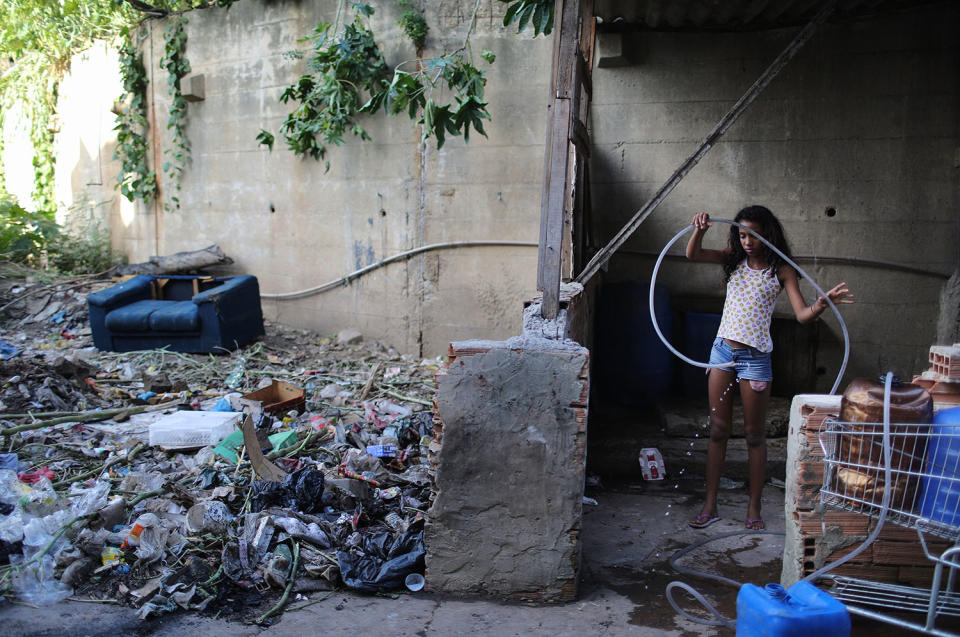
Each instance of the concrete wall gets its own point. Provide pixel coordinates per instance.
(864, 120)
(294, 226)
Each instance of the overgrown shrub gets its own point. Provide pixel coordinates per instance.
(83, 245)
(23, 234)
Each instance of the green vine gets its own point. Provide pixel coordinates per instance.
(136, 180)
(175, 62)
(42, 137)
(537, 13)
(346, 66)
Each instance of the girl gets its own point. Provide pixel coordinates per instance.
(754, 277)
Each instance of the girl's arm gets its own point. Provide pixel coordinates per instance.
(695, 251)
(806, 313)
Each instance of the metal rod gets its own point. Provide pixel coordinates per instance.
(600, 259)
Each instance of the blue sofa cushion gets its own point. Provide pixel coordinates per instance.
(176, 316)
(144, 316)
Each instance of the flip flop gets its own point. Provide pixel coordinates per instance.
(703, 520)
(755, 525)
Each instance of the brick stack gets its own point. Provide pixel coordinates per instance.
(942, 380)
(896, 556)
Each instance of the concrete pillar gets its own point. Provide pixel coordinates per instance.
(511, 423)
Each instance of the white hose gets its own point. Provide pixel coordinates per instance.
(656, 326)
(887, 487)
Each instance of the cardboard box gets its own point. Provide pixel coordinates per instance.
(280, 396)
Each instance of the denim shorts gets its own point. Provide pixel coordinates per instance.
(749, 363)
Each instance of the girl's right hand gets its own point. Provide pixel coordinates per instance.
(701, 221)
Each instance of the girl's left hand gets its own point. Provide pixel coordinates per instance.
(838, 294)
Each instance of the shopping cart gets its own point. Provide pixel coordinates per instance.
(923, 493)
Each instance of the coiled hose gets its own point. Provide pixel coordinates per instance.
(778, 252)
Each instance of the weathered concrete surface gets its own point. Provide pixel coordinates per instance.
(506, 519)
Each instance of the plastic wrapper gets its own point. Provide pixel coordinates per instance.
(381, 562)
(34, 583)
(11, 489)
(152, 540)
(11, 527)
(241, 558)
(86, 501)
(309, 532)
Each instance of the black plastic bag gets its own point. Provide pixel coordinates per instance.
(379, 568)
(301, 491)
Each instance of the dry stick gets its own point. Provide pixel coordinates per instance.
(83, 416)
(96, 472)
(601, 257)
(371, 380)
(409, 399)
(286, 591)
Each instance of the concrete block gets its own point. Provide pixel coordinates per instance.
(506, 519)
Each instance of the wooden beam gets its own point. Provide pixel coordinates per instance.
(553, 202)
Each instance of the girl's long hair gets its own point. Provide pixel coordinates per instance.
(771, 230)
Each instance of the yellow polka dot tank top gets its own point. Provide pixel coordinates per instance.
(748, 307)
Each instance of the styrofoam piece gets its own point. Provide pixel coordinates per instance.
(191, 429)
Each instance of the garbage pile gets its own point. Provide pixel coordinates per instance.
(228, 484)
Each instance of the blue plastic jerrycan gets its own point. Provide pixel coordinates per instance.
(801, 610)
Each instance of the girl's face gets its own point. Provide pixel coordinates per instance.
(750, 244)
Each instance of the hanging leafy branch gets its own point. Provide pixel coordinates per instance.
(342, 70)
(136, 180)
(346, 66)
(175, 62)
(536, 13)
(413, 23)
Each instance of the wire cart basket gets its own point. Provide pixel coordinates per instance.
(923, 493)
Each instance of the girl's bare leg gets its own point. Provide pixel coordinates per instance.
(754, 419)
(720, 387)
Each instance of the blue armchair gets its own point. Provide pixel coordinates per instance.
(184, 313)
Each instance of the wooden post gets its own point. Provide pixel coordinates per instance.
(555, 193)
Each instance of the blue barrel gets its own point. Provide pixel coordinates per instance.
(631, 364)
(940, 500)
(803, 610)
(699, 332)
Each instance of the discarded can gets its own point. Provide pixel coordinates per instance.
(387, 494)
(382, 451)
(651, 464)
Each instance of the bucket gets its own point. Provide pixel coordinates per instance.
(940, 501)
(802, 609)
